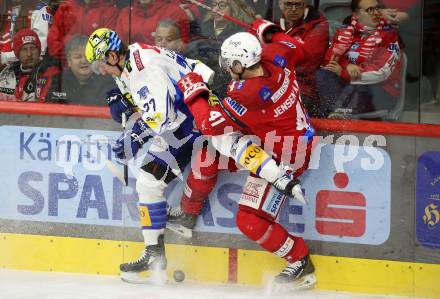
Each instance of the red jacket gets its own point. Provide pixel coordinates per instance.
(73, 17)
(30, 86)
(314, 32)
(267, 106)
(145, 19)
(383, 66)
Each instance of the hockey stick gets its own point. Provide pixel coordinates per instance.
(269, 11)
(115, 171)
(246, 9)
(229, 18)
(124, 122)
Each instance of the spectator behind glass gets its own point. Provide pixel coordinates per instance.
(29, 78)
(167, 35)
(361, 69)
(78, 17)
(216, 27)
(305, 22)
(21, 14)
(144, 17)
(192, 12)
(214, 30)
(77, 84)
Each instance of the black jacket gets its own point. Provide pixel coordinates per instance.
(68, 90)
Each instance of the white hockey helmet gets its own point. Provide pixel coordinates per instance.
(242, 47)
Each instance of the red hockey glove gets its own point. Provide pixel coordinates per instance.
(265, 30)
(192, 86)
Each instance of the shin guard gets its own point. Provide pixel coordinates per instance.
(200, 181)
(195, 192)
(271, 236)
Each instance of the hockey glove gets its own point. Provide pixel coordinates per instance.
(192, 86)
(118, 104)
(129, 143)
(288, 185)
(265, 30)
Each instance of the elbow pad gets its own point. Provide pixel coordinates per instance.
(248, 154)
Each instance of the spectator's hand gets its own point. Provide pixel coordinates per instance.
(334, 67)
(354, 71)
(335, 57)
(394, 16)
(187, 10)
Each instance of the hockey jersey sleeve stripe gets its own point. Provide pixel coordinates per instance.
(231, 116)
(377, 76)
(382, 64)
(268, 159)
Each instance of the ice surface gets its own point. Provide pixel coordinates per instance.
(16, 284)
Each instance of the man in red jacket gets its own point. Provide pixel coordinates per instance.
(78, 17)
(308, 24)
(263, 100)
(361, 69)
(29, 78)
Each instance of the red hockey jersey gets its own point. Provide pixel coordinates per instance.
(314, 32)
(268, 106)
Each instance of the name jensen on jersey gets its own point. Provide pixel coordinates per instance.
(289, 102)
(280, 92)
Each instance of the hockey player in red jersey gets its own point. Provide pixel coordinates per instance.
(264, 100)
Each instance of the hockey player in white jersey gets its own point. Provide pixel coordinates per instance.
(147, 77)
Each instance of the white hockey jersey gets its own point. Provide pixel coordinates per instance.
(150, 79)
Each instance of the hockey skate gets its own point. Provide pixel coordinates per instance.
(180, 222)
(296, 276)
(150, 268)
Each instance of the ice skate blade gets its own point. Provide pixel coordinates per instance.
(304, 283)
(156, 277)
(180, 230)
